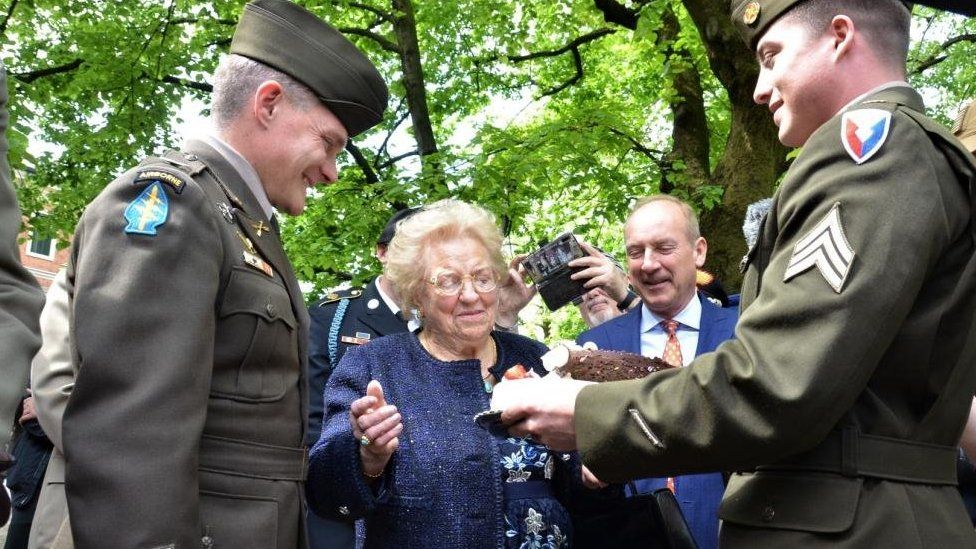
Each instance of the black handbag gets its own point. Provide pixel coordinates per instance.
(606, 518)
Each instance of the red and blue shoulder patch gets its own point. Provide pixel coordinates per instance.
(863, 132)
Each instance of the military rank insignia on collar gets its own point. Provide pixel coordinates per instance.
(148, 211)
(826, 248)
(863, 132)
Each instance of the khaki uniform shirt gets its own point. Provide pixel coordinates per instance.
(187, 417)
(851, 374)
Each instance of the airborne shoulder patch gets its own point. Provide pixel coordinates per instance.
(148, 211)
(162, 176)
(863, 132)
(826, 248)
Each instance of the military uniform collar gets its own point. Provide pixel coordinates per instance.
(394, 308)
(244, 169)
(897, 91)
(229, 177)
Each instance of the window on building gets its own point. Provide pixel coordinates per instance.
(41, 247)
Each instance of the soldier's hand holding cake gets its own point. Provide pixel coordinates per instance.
(573, 368)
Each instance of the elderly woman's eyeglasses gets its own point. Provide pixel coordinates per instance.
(447, 282)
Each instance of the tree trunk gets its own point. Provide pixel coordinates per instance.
(689, 135)
(405, 27)
(753, 159)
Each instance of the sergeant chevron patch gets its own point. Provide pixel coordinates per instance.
(825, 247)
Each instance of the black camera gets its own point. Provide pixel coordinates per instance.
(549, 269)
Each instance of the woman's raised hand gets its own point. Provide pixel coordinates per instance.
(376, 425)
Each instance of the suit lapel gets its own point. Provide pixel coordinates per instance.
(628, 338)
(705, 329)
(380, 319)
(714, 328)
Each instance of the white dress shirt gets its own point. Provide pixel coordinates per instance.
(653, 336)
(413, 324)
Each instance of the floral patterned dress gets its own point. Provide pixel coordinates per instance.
(533, 517)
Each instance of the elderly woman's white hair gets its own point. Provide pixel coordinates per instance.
(407, 256)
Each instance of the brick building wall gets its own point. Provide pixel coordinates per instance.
(42, 258)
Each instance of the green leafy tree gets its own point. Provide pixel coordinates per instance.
(553, 114)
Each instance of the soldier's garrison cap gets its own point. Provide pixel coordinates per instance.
(753, 17)
(390, 230)
(285, 36)
(965, 127)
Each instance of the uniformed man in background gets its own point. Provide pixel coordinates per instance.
(842, 397)
(21, 300)
(187, 421)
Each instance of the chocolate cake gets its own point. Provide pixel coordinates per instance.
(600, 365)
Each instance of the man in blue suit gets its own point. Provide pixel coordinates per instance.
(664, 252)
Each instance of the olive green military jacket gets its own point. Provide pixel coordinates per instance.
(186, 421)
(851, 374)
(21, 298)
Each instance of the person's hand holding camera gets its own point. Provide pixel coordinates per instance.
(600, 271)
(513, 296)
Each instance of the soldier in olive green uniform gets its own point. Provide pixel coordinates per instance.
(21, 298)
(186, 423)
(844, 393)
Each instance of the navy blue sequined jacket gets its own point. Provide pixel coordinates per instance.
(443, 486)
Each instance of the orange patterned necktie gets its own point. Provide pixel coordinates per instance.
(672, 349)
(672, 355)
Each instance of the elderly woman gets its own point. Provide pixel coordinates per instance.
(398, 443)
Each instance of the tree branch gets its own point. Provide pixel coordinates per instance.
(578, 62)
(199, 86)
(941, 56)
(653, 154)
(362, 162)
(189, 20)
(572, 46)
(221, 43)
(28, 77)
(386, 16)
(10, 12)
(397, 158)
(386, 140)
(383, 42)
(615, 12)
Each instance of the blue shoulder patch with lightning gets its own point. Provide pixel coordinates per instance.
(148, 211)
